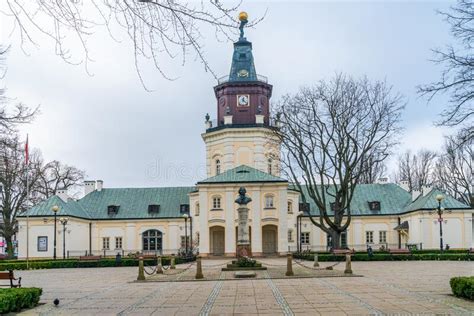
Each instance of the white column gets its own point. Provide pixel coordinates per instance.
(173, 238)
(229, 213)
(203, 222)
(283, 222)
(256, 216)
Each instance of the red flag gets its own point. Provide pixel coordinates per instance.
(27, 154)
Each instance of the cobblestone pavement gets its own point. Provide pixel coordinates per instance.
(406, 287)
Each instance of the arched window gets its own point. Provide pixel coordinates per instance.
(216, 202)
(152, 241)
(218, 166)
(290, 207)
(270, 167)
(196, 211)
(269, 201)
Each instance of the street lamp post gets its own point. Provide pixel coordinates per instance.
(440, 211)
(63, 221)
(186, 232)
(191, 235)
(55, 210)
(298, 231)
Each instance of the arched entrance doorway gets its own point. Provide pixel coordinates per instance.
(217, 240)
(269, 239)
(152, 241)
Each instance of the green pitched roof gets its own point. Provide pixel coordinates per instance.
(132, 202)
(69, 208)
(429, 202)
(392, 198)
(243, 174)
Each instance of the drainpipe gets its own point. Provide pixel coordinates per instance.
(399, 235)
(90, 238)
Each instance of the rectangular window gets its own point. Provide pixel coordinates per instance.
(304, 238)
(344, 240)
(369, 237)
(106, 243)
(269, 201)
(42, 243)
(382, 237)
(216, 203)
(290, 208)
(118, 242)
(183, 242)
(290, 235)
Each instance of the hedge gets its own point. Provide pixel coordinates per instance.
(388, 257)
(463, 287)
(13, 300)
(76, 263)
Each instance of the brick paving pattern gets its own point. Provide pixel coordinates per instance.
(401, 288)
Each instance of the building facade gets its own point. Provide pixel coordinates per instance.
(240, 151)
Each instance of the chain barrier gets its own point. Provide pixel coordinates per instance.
(152, 272)
(273, 265)
(312, 268)
(184, 270)
(216, 265)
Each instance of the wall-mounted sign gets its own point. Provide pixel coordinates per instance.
(42, 243)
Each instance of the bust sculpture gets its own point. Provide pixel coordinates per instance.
(243, 199)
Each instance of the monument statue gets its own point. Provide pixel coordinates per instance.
(243, 236)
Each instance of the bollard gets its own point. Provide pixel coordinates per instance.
(141, 272)
(199, 274)
(289, 265)
(316, 262)
(159, 267)
(348, 269)
(173, 262)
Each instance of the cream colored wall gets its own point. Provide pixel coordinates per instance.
(241, 146)
(258, 216)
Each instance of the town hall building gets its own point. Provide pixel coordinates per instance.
(240, 152)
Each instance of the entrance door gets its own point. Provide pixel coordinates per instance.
(217, 240)
(269, 239)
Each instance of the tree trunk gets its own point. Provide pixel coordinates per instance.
(10, 250)
(335, 239)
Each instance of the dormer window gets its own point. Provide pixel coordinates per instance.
(153, 209)
(374, 206)
(304, 207)
(184, 208)
(112, 209)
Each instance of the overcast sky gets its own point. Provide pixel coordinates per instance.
(108, 125)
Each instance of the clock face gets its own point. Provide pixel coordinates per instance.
(243, 73)
(243, 100)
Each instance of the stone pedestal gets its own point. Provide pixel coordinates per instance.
(243, 236)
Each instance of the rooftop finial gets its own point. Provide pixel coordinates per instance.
(243, 18)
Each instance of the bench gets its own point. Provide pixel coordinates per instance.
(89, 258)
(398, 252)
(9, 276)
(339, 252)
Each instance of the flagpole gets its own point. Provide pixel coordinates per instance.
(27, 205)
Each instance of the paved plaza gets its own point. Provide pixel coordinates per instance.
(406, 287)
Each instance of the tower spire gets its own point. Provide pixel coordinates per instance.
(243, 67)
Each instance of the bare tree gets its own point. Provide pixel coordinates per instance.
(455, 170)
(327, 134)
(417, 169)
(54, 176)
(10, 116)
(457, 78)
(373, 169)
(13, 181)
(157, 29)
(19, 193)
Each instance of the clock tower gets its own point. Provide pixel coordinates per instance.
(243, 94)
(241, 134)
